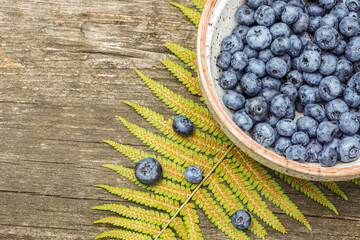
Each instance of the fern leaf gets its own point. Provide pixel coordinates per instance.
(191, 220)
(184, 76)
(356, 181)
(259, 177)
(309, 189)
(146, 199)
(125, 235)
(193, 15)
(200, 116)
(168, 148)
(199, 4)
(184, 54)
(197, 140)
(179, 226)
(242, 188)
(230, 202)
(217, 215)
(170, 170)
(332, 186)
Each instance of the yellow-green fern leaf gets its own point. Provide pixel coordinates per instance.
(268, 188)
(193, 15)
(199, 4)
(146, 199)
(179, 226)
(356, 181)
(332, 186)
(309, 189)
(184, 76)
(191, 220)
(186, 55)
(125, 235)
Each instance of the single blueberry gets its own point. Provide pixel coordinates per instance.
(354, 82)
(313, 79)
(297, 3)
(280, 30)
(290, 14)
(301, 24)
(329, 20)
(259, 37)
(344, 69)
(240, 31)
(327, 4)
(349, 123)
(278, 7)
(327, 131)
(250, 84)
(276, 67)
(313, 9)
(231, 44)
(296, 46)
(353, 15)
(328, 64)
(148, 171)
(306, 38)
(307, 125)
(238, 89)
(280, 45)
(310, 61)
(307, 95)
(254, 4)
(182, 125)
(272, 120)
(289, 90)
(330, 88)
(265, 55)
(335, 108)
(299, 107)
(327, 37)
(315, 111)
(295, 64)
(242, 120)
(290, 113)
(300, 138)
(228, 79)
(356, 66)
(296, 153)
(314, 23)
(351, 97)
(250, 53)
(279, 105)
(352, 50)
(353, 5)
(256, 66)
(257, 108)
(239, 60)
(233, 100)
(349, 149)
(245, 15)
(295, 77)
(327, 157)
(264, 16)
(281, 145)
(223, 60)
(193, 174)
(312, 46)
(241, 219)
(287, 60)
(340, 11)
(269, 82)
(339, 49)
(313, 149)
(349, 26)
(269, 94)
(264, 134)
(286, 127)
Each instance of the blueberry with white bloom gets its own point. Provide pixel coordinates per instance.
(349, 149)
(313, 79)
(328, 64)
(351, 97)
(327, 131)
(223, 60)
(327, 157)
(327, 37)
(257, 108)
(280, 30)
(340, 11)
(330, 88)
(269, 82)
(329, 20)
(259, 37)
(193, 174)
(264, 16)
(231, 44)
(239, 60)
(233, 100)
(335, 108)
(286, 127)
(245, 15)
(349, 123)
(349, 26)
(276, 67)
(282, 144)
(344, 69)
(242, 120)
(296, 153)
(353, 5)
(256, 66)
(228, 79)
(313, 148)
(296, 46)
(279, 105)
(250, 84)
(352, 50)
(264, 134)
(289, 90)
(315, 111)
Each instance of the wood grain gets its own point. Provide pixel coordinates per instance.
(75, 63)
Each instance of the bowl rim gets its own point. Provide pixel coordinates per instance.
(241, 139)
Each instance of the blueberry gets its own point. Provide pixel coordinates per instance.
(296, 153)
(300, 138)
(327, 37)
(327, 157)
(245, 15)
(240, 31)
(250, 84)
(353, 15)
(250, 53)
(352, 50)
(272, 120)
(231, 44)
(290, 14)
(242, 120)
(344, 69)
(353, 5)
(313, 9)
(268, 94)
(354, 82)
(279, 105)
(335, 108)
(264, 16)
(312, 46)
(329, 20)
(356, 66)
(295, 77)
(265, 55)
(340, 11)
(241, 219)
(296, 64)
(306, 38)
(228, 79)
(299, 107)
(280, 45)
(327, 131)
(238, 89)
(278, 7)
(233, 100)
(296, 46)
(307, 125)
(256, 66)
(313, 79)
(290, 113)
(330, 88)
(349, 123)
(310, 61)
(313, 149)
(328, 64)
(239, 60)
(264, 134)
(351, 97)
(254, 4)
(340, 48)
(193, 174)
(182, 125)
(280, 30)
(315, 111)
(314, 23)
(276, 67)
(349, 26)
(289, 90)
(286, 127)
(297, 3)
(223, 60)
(281, 145)
(259, 37)
(335, 144)
(327, 4)
(148, 171)
(269, 82)
(349, 149)
(257, 108)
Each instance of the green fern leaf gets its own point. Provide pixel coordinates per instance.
(184, 76)
(199, 4)
(184, 54)
(146, 199)
(309, 189)
(126, 235)
(179, 226)
(332, 186)
(193, 15)
(356, 181)
(258, 176)
(191, 220)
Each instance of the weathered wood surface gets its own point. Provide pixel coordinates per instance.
(65, 66)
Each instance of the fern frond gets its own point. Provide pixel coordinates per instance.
(199, 4)
(309, 189)
(332, 186)
(197, 140)
(146, 199)
(259, 178)
(199, 116)
(217, 215)
(179, 226)
(356, 181)
(193, 15)
(184, 76)
(243, 189)
(230, 202)
(191, 220)
(186, 55)
(170, 170)
(125, 235)
(168, 148)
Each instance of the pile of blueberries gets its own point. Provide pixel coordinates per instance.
(287, 56)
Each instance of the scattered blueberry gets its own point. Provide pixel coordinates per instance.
(301, 24)
(228, 79)
(290, 14)
(182, 125)
(240, 31)
(241, 219)
(231, 44)
(280, 45)
(300, 138)
(307, 95)
(349, 26)
(328, 64)
(307, 125)
(239, 60)
(280, 30)
(310, 61)
(193, 174)
(245, 15)
(148, 171)
(329, 88)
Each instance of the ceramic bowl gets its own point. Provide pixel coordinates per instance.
(217, 21)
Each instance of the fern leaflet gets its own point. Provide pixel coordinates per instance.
(332, 186)
(184, 54)
(356, 181)
(125, 235)
(191, 222)
(199, 4)
(193, 15)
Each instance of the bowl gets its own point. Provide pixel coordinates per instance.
(217, 21)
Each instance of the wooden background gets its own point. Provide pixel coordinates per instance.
(65, 66)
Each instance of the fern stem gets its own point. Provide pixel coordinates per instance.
(196, 189)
